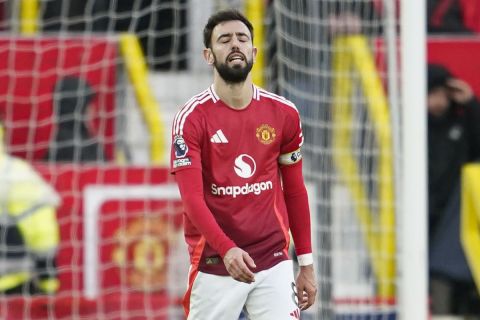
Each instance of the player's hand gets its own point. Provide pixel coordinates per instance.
(239, 265)
(459, 91)
(306, 287)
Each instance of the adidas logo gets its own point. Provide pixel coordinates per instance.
(219, 137)
(295, 314)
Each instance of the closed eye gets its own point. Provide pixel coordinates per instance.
(243, 38)
(225, 38)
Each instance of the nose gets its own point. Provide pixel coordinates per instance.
(235, 42)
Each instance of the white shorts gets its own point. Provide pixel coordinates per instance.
(271, 296)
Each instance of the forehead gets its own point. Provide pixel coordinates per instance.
(438, 90)
(234, 26)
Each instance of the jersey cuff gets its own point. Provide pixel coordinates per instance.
(305, 259)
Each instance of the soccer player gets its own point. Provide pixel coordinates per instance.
(237, 161)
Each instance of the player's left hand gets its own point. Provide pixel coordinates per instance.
(306, 287)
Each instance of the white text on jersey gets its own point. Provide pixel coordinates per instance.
(255, 188)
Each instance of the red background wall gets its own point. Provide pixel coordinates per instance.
(29, 69)
(117, 298)
(460, 55)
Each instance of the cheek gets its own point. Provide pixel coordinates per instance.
(431, 100)
(442, 100)
(437, 101)
(219, 55)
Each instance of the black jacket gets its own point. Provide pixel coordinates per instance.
(445, 16)
(453, 140)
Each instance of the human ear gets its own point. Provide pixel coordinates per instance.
(208, 56)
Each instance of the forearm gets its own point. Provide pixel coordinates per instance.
(299, 219)
(191, 190)
(296, 200)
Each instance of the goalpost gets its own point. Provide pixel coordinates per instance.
(355, 70)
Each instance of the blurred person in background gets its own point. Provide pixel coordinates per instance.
(453, 16)
(73, 139)
(29, 232)
(453, 140)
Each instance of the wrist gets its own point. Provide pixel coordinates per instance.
(227, 247)
(305, 259)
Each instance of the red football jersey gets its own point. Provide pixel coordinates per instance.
(240, 153)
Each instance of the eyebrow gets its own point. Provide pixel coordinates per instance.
(239, 34)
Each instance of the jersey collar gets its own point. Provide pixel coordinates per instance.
(215, 97)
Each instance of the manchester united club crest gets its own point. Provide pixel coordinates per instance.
(266, 134)
(141, 252)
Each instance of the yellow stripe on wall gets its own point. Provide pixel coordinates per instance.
(28, 17)
(380, 116)
(138, 74)
(255, 12)
(352, 56)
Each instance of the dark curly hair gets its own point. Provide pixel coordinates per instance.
(223, 16)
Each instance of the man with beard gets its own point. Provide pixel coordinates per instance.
(237, 161)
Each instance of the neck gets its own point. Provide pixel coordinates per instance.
(237, 95)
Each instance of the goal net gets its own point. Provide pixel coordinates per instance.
(330, 59)
(77, 105)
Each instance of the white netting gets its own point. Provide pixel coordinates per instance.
(70, 107)
(330, 60)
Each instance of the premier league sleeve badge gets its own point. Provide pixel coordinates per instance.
(180, 146)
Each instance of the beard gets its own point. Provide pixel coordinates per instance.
(235, 74)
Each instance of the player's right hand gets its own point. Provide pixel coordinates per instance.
(460, 91)
(239, 264)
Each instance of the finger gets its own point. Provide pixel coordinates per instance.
(243, 278)
(311, 297)
(242, 273)
(308, 298)
(453, 85)
(457, 84)
(247, 279)
(300, 293)
(249, 261)
(234, 271)
(304, 304)
(244, 268)
(248, 275)
(454, 81)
